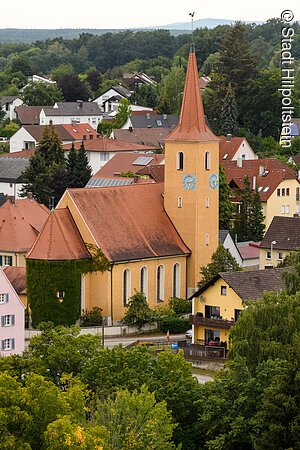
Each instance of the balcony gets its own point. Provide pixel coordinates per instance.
(200, 321)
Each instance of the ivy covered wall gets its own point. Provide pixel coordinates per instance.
(44, 280)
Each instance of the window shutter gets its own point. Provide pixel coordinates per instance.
(6, 297)
(12, 319)
(2, 344)
(12, 344)
(2, 321)
(0, 260)
(10, 260)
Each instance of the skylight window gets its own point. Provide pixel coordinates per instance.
(75, 131)
(260, 188)
(225, 156)
(159, 123)
(266, 188)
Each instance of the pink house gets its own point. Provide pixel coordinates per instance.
(12, 318)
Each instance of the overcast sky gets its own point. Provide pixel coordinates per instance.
(130, 14)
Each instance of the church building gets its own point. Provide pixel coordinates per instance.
(155, 236)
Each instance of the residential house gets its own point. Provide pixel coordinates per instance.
(142, 119)
(118, 91)
(281, 238)
(72, 113)
(11, 170)
(135, 80)
(28, 136)
(129, 163)
(153, 234)
(234, 148)
(17, 278)
(276, 183)
(226, 240)
(204, 81)
(146, 136)
(8, 104)
(29, 115)
(249, 252)
(101, 150)
(218, 304)
(20, 223)
(12, 318)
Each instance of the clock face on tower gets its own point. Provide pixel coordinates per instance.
(189, 182)
(214, 181)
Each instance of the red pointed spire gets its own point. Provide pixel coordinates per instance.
(192, 126)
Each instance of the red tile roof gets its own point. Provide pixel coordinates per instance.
(80, 130)
(102, 144)
(157, 173)
(17, 278)
(129, 222)
(26, 153)
(59, 239)
(229, 148)
(20, 223)
(124, 162)
(192, 125)
(249, 251)
(274, 172)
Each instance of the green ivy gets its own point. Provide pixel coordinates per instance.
(44, 280)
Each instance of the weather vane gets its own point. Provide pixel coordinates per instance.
(192, 19)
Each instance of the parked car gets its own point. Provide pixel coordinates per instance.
(189, 334)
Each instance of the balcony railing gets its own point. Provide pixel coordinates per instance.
(197, 320)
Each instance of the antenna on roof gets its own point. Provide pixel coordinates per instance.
(192, 23)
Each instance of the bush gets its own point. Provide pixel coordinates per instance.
(174, 324)
(180, 305)
(91, 318)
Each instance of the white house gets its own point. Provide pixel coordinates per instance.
(115, 93)
(235, 148)
(228, 243)
(8, 103)
(12, 314)
(72, 113)
(11, 170)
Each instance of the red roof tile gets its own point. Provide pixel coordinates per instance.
(109, 145)
(192, 125)
(129, 222)
(29, 115)
(124, 162)
(20, 223)
(80, 130)
(274, 172)
(27, 153)
(17, 278)
(59, 239)
(153, 137)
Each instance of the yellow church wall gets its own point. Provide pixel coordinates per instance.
(135, 269)
(197, 219)
(212, 297)
(275, 204)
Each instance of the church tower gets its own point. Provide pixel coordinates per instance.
(191, 194)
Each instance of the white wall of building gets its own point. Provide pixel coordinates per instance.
(64, 120)
(20, 140)
(11, 189)
(230, 245)
(10, 112)
(244, 152)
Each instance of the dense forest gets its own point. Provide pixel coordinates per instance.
(243, 61)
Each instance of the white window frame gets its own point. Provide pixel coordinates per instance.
(176, 280)
(179, 202)
(268, 252)
(206, 239)
(3, 298)
(160, 283)
(207, 202)
(179, 166)
(144, 281)
(126, 284)
(207, 160)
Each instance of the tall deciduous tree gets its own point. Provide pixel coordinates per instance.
(123, 113)
(221, 261)
(225, 206)
(37, 94)
(138, 312)
(172, 90)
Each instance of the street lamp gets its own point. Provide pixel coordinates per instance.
(272, 243)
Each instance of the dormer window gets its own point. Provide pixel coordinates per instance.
(180, 161)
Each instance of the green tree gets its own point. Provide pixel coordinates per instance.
(225, 206)
(36, 94)
(138, 312)
(123, 113)
(229, 112)
(256, 219)
(73, 88)
(172, 90)
(292, 273)
(136, 421)
(83, 170)
(71, 166)
(37, 179)
(50, 147)
(146, 95)
(180, 305)
(242, 220)
(221, 261)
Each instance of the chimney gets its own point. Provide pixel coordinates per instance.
(254, 183)
(135, 179)
(239, 162)
(165, 116)
(79, 103)
(130, 129)
(50, 122)
(261, 170)
(228, 137)
(148, 116)
(30, 196)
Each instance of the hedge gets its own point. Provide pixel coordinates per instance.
(174, 324)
